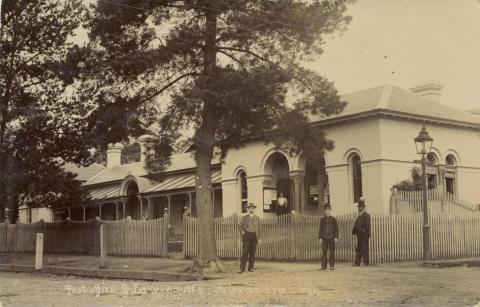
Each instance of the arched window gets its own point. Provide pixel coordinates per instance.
(450, 160)
(243, 190)
(432, 170)
(450, 174)
(356, 173)
(431, 159)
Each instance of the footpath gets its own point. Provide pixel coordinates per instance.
(173, 268)
(140, 268)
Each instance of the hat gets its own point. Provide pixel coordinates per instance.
(250, 205)
(361, 202)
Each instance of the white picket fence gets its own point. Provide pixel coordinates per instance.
(294, 237)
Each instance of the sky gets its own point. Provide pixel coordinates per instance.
(407, 42)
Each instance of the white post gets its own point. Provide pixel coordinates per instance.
(39, 252)
(103, 247)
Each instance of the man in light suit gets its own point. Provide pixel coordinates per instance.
(250, 231)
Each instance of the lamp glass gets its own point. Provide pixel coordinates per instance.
(423, 142)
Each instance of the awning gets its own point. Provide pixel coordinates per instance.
(182, 181)
(104, 192)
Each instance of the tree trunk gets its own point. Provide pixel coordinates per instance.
(204, 141)
(3, 179)
(203, 188)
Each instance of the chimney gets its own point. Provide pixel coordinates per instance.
(114, 154)
(144, 140)
(428, 90)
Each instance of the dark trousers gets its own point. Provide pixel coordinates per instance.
(248, 250)
(328, 245)
(362, 250)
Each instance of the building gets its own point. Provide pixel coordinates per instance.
(374, 149)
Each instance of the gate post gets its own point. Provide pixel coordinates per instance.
(39, 252)
(165, 231)
(103, 247)
(184, 226)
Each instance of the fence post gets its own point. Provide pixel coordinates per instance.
(103, 247)
(184, 225)
(43, 231)
(39, 252)
(165, 231)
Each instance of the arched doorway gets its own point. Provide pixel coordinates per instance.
(132, 207)
(277, 167)
(316, 186)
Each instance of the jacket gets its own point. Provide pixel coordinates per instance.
(362, 225)
(328, 228)
(243, 225)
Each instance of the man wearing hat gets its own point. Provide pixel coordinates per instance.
(250, 231)
(328, 235)
(361, 229)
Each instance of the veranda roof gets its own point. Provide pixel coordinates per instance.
(105, 192)
(182, 181)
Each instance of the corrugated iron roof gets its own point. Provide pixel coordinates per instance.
(105, 192)
(181, 161)
(83, 172)
(182, 181)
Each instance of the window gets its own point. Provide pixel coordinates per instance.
(243, 189)
(450, 174)
(356, 171)
(450, 160)
(432, 171)
(431, 159)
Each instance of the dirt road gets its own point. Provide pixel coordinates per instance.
(271, 284)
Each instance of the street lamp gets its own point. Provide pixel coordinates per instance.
(423, 143)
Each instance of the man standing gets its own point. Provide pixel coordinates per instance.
(250, 230)
(362, 230)
(328, 235)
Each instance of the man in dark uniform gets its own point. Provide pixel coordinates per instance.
(250, 230)
(361, 229)
(328, 235)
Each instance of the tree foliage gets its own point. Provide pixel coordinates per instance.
(227, 70)
(39, 122)
(412, 184)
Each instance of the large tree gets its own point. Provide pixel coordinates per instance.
(38, 119)
(228, 70)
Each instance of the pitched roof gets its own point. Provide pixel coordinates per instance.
(83, 172)
(183, 161)
(390, 98)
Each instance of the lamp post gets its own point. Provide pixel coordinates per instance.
(423, 143)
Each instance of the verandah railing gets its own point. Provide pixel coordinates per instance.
(439, 202)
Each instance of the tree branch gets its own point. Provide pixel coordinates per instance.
(164, 88)
(251, 53)
(233, 58)
(268, 61)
